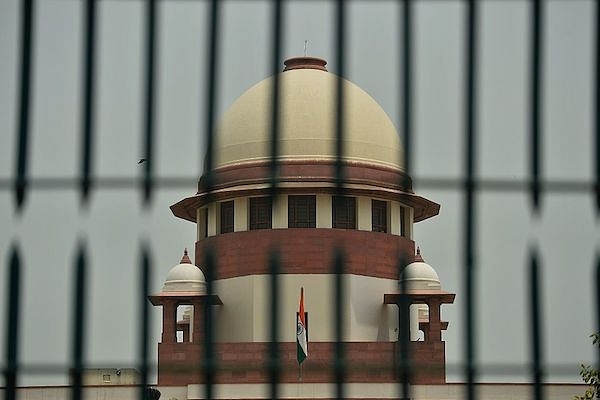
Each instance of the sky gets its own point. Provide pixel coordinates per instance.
(115, 224)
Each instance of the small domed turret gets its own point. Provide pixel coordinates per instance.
(185, 277)
(419, 275)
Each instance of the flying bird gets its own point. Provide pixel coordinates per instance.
(141, 160)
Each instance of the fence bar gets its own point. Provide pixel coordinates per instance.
(407, 83)
(536, 99)
(536, 321)
(12, 328)
(277, 24)
(597, 287)
(340, 59)
(144, 319)
(339, 362)
(88, 100)
(25, 90)
(404, 359)
(209, 358)
(274, 364)
(469, 204)
(597, 105)
(149, 118)
(211, 92)
(555, 186)
(78, 340)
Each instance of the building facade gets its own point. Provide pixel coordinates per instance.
(367, 221)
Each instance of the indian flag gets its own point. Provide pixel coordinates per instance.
(301, 340)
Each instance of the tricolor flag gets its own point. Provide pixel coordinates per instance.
(301, 340)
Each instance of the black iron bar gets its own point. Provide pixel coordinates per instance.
(597, 299)
(536, 325)
(556, 186)
(208, 362)
(469, 203)
(79, 306)
(274, 362)
(24, 104)
(144, 319)
(149, 117)
(211, 93)
(277, 34)
(12, 328)
(338, 292)
(404, 359)
(340, 60)
(536, 104)
(407, 83)
(339, 361)
(208, 365)
(88, 100)
(597, 108)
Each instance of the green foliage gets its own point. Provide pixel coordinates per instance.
(591, 376)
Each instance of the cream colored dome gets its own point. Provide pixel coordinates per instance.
(185, 277)
(308, 123)
(419, 275)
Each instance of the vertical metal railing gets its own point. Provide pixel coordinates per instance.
(13, 307)
(210, 261)
(404, 356)
(469, 204)
(21, 184)
(79, 332)
(24, 103)
(274, 258)
(89, 79)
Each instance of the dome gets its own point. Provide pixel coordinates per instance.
(308, 124)
(185, 277)
(419, 275)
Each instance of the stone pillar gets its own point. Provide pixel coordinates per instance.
(197, 335)
(186, 333)
(169, 334)
(435, 323)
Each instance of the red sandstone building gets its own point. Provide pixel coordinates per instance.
(372, 224)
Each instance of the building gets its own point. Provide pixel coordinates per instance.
(370, 223)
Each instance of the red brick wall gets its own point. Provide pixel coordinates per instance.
(179, 363)
(306, 251)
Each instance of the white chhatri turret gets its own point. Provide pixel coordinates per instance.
(419, 275)
(185, 277)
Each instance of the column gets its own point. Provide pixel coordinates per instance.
(435, 324)
(169, 334)
(197, 336)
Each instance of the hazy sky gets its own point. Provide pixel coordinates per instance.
(567, 231)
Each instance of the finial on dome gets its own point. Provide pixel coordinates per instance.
(418, 257)
(185, 259)
(305, 63)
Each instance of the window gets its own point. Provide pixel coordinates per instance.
(344, 212)
(379, 216)
(301, 212)
(227, 216)
(260, 213)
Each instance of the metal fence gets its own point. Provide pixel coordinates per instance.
(23, 186)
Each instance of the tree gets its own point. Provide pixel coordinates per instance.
(591, 376)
